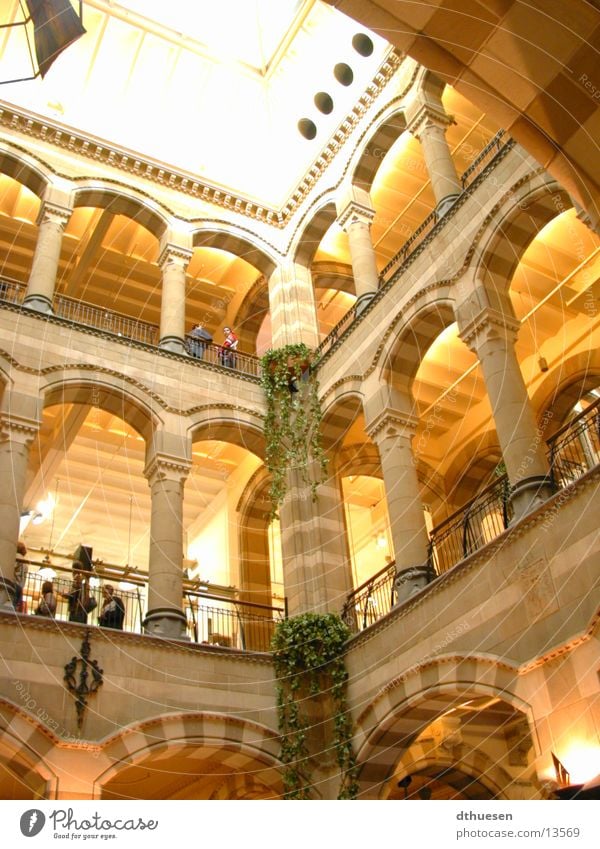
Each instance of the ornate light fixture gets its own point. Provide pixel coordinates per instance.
(55, 25)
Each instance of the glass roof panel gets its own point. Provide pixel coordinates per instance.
(248, 31)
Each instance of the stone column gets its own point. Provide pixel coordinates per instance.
(429, 126)
(491, 335)
(166, 476)
(16, 436)
(52, 220)
(292, 306)
(173, 262)
(314, 543)
(393, 432)
(355, 215)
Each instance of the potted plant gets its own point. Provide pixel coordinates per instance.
(293, 437)
(313, 714)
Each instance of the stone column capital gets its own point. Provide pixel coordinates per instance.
(53, 213)
(427, 117)
(174, 255)
(355, 213)
(19, 429)
(165, 467)
(487, 325)
(392, 424)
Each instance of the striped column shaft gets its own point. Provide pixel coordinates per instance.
(292, 306)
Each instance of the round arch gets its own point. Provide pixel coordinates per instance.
(375, 146)
(339, 415)
(25, 171)
(130, 403)
(409, 703)
(225, 423)
(145, 214)
(252, 312)
(24, 747)
(511, 228)
(474, 764)
(563, 387)
(246, 746)
(404, 348)
(253, 509)
(312, 230)
(242, 244)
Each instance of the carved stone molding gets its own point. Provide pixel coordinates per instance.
(487, 325)
(53, 214)
(163, 467)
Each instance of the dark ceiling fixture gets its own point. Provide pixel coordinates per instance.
(307, 128)
(56, 25)
(362, 44)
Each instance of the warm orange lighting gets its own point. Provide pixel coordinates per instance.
(581, 761)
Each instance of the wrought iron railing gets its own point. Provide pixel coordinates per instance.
(390, 273)
(62, 585)
(575, 448)
(232, 623)
(108, 321)
(372, 600)
(483, 158)
(211, 619)
(572, 451)
(125, 327)
(480, 521)
(216, 355)
(12, 291)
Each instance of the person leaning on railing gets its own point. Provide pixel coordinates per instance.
(113, 609)
(21, 571)
(78, 598)
(47, 603)
(228, 348)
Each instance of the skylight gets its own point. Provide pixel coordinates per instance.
(248, 31)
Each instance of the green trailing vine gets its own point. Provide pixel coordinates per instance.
(292, 432)
(308, 652)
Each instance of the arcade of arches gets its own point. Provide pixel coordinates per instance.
(440, 247)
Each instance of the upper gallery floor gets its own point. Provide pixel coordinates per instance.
(420, 217)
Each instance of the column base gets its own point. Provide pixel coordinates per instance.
(529, 494)
(173, 344)
(410, 581)
(362, 302)
(39, 303)
(445, 204)
(166, 622)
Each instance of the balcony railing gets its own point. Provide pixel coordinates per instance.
(480, 521)
(102, 319)
(12, 291)
(572, 451)
(216, 355)
(235, 624)
(211, 619)
(372, 600)
(487, 158)
(125, 327)
(575, 448)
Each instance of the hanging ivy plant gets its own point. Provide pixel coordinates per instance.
(293, 417)
(308, 652)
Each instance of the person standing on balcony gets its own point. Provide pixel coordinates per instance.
(229, 347)
(47, 603)
(21, 571)
(200, 338)
(78, 598)
(113, 609)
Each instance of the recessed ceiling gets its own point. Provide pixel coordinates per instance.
(213, 90)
